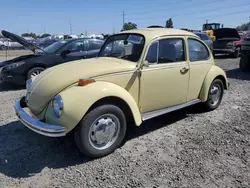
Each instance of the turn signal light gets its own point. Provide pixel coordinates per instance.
(84, 82)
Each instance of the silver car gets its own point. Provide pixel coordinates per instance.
(205, 38)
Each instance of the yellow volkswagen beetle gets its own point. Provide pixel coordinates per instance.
(138, 74)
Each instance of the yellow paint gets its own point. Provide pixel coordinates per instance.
(151, 88)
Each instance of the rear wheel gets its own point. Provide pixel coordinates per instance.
(101, 131)
(34, 72)
(215, 95)
(236, 54)
(245, 63)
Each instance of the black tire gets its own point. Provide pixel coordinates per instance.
(82, 132)
(208, 105)
(34, 70)
(244, 63)
(236, 53)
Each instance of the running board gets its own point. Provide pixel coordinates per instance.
(152, 114)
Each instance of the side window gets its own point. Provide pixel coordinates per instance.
(197, 51)
(75, 46)
(153, 53)
(95, 45)
(166, 51)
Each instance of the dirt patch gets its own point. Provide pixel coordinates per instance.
(182, 149)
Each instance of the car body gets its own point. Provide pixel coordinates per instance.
(158, 71)
(228, 41)
(205, 37)
(20, 69)
(245, 53)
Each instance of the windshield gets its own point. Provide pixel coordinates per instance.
(53, 47)
(123, 46)
(247, 36)
(211, 26)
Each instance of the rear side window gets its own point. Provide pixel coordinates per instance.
(203, 36)
(95, 45)
(197, 50)
(166, 51)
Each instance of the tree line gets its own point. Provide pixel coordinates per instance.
(130, 25)
(33, 35)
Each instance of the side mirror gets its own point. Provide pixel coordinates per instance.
(65, 52)
(145, 63)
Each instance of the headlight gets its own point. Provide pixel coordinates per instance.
(57, 106)
(230, 44)
(28, 83)
(14, 65)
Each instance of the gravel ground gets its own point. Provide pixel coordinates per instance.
(181, 149)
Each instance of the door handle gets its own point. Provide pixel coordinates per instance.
(184, 70)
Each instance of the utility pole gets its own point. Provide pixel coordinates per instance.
(70, 27)
(123, 19)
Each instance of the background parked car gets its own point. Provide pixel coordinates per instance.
(22, 68)
(245, 53)
(205, 37)
(227, 41)
(46, 42)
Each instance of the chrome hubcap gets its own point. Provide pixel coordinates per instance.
(104, 131)
(215, 94)
(35, 73)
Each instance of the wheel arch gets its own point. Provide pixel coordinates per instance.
(215, 72)
(78, 101)
(115, 101)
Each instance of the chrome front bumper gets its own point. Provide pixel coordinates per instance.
(36, 125)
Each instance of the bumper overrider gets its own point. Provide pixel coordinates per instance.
(35, 124)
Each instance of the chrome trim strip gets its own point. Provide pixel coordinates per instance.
(113, 74)
(152, 68)
(152, 114)
(36, 125)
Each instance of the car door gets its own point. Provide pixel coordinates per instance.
(93, 47)
(164, 83)
(200, 58)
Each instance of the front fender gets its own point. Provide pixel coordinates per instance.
(214, 72)
(77, 100)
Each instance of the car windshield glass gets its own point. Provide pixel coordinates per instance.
(53, 47)
(247, 36)
(123, 46)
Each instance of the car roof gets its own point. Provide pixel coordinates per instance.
(159, 31)
(197, 32)
(151, 33)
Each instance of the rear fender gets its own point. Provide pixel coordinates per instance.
(214, 72)
(77, 100)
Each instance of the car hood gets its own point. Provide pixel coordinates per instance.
(226, 33)
(15, 38)
(55, 79)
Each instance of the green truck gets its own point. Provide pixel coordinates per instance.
(245, 54)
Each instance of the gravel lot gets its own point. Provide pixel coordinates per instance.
(182, 149)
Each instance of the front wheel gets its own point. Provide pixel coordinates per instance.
(236, 54)
(34, 72)
(101, 131)
(215, 95)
